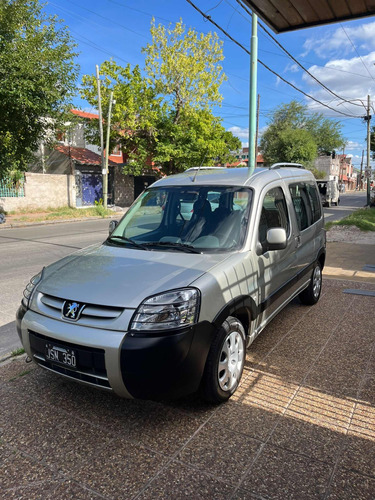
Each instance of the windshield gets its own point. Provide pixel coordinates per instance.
(204, 219)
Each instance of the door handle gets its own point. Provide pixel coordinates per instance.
(297, 239)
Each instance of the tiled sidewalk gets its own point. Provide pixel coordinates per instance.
(301, 426)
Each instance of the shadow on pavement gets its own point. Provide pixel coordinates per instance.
(301, 425)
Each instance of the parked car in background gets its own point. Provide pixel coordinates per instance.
(187, 279)
(329, 192)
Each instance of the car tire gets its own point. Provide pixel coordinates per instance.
(311, 294)
(225, 362)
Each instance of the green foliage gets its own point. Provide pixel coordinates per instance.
(372, 142)
(363, 218)
(135, 114)
(185, 66)
(17, 352)
(197, 139)
(165, 114)
(37, 79)
(292, 122)
(318, 174)
(287, 145)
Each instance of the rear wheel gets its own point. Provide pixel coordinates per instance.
(311, 294)
(225, 362)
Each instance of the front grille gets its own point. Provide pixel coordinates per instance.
(52, 306)
(90, 360)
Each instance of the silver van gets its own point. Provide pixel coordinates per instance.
(184, 283)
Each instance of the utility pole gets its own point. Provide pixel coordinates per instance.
(253, 91)
(257, 132)
(360, 175)
(368, 168)
(100, 124)
(105, 176)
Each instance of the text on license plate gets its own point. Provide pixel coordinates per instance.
(62, 355)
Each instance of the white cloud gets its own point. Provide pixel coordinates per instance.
(341, 41)
(241, 133)
(350, 87)
(353, 145)
(293, 68)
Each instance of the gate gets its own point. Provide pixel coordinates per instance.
(89, 188)
(141, 183)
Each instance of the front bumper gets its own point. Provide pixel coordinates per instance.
(161, 365)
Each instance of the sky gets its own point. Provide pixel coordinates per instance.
(341, 56)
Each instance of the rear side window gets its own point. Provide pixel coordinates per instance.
(306, 204)
(274, 213)
(315, 201)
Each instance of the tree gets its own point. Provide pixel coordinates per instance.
(135, 115)
(185, 68)
(37, 79)
(197, 139)
(372, 142)
(323, 132)
(289, 145)
(165, 114)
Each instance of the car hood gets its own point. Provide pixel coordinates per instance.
(122, 277)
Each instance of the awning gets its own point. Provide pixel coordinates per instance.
(289, 15)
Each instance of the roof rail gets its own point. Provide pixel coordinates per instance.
(286, 165)
(205, 168)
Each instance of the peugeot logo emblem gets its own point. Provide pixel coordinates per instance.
(72, 310)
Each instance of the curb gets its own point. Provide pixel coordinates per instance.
(8, 357)
(57, 221)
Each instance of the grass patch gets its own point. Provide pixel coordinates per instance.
(62, 213)
(17, 352)
(364, 219)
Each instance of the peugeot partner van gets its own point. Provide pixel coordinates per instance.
(185, 282)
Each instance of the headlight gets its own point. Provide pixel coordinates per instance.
(30, 288)
(168, 310)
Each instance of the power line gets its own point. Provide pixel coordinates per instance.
(294, 59)
(92, 44)
(355, 48)
(263, 64)
(99, 15)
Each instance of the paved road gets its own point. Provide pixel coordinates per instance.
(24, 251)
(349, 202)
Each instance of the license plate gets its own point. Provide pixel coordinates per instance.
(62, 355)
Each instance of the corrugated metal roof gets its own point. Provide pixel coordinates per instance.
(289, 15)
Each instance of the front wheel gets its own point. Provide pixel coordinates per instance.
(225, 362)
(311, 294)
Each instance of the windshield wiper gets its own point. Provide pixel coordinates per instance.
(181, 246)
(127, 240)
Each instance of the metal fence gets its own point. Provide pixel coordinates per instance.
(11, 189)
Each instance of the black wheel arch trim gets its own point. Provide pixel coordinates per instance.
(240, 303)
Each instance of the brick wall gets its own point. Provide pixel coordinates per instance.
(43, 191)
(124, 188)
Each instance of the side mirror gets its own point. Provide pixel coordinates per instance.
(112, 226)
(276, 238)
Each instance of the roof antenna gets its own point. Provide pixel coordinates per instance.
(200, 166)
